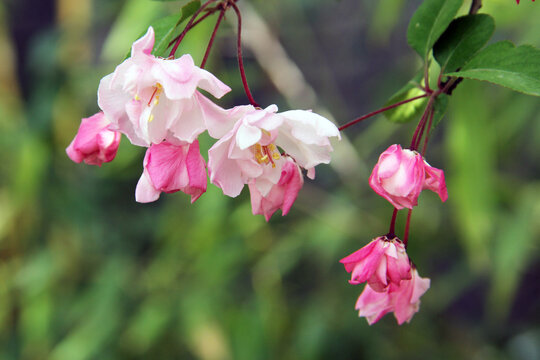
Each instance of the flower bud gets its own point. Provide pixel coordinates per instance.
(94, 143)
(400, 175)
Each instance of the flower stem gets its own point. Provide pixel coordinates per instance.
(392, 232)
(240, 58)
(211, 42)
(406, 234)
(199, 20)
(422, 123)
(188, 27)
(426, 139)
(380, 111)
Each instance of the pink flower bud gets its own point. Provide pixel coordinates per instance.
(170, 168)
(403, 300)
(381, 262)
(281, 195)
(94, 143)
(400, 175)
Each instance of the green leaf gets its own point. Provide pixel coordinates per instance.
(462, 40)
(464, 37)
(440, 105)
(166, 29)
(408, 111)
(429, 22)
(502, 63)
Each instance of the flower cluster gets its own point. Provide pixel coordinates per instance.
(393, 283)
(156, 103)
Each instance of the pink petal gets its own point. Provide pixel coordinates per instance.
(144, 45)
(224, 172)
(212, 84)
(247, 136)
(435, 181)
(218, 120)
(178, 77)
(145, 191)
(373, 305)
(190, 122)
(350, 260)
(196, 172)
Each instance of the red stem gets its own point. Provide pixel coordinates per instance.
(188, 27)
(392, 232)
(422, 129)
(426, 139)
(240, 59)
(406, 235)
(211, 42)
(421, 124)
(192, 26)
(380, 111)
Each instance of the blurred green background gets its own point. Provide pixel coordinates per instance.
(88, 273)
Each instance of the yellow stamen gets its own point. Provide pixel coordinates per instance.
(151, 117)
(266, 154)
(137, 97)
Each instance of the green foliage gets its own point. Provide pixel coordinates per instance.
(429, 22)
(464, 37)
(502, 63)
(440, 105)
(409, 111)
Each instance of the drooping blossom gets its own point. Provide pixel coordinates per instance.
(282, 195)
(170, 168)
(261, 142)
(381, 262)
(94, 142)
(401, 174)
(151, 99)
(403, 300)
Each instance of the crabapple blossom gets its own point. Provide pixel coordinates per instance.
(401, 174)
(151, 99)
(381, 262)
(403, 300)
(94, 142)
(250, 152)
(170, 168)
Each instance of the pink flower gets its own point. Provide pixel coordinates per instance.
(170, 168)
(153, 99)
(250, 152)
(381, 262)
(281, 196)
(402, 299)
(400, 175)
(94, 143)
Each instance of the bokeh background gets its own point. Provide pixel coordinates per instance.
(88, 273)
